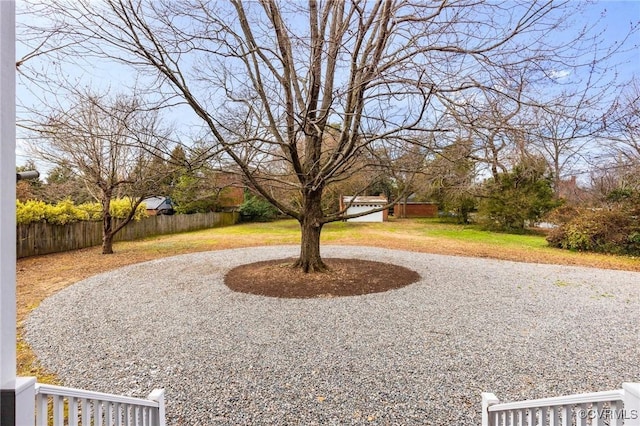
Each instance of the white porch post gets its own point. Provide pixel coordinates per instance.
(488, 399)
(16, 396)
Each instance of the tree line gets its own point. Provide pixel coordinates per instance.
(480, 104)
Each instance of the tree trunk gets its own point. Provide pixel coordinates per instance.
(311, 226)
(107, 227)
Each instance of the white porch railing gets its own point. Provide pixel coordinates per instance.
(86, 408)
(610, 408)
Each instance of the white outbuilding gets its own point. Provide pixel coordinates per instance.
(362, 204)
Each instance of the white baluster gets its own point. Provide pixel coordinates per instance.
(614, 413)
(41, 410)
(86, 412)
(127, 415)
(597, 414)
(58, 410)
(543, 416)
(566, 415)
(553, 416)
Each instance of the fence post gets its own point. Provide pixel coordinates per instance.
(158, 396)
(488, 399)
(631, 404)
(25, 400)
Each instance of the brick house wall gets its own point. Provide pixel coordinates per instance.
(415, 209)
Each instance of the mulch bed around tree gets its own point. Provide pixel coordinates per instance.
(346, 277)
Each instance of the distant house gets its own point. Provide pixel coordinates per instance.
(361, 204)
(573, 194)
(231, 191)
(159, 206)
(415, 209)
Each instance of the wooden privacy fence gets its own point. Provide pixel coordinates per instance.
(43, 238)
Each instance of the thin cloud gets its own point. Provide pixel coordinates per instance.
(559, 74)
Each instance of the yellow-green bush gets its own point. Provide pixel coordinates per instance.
(94, 210)
(121, 207)
(31, 211)
(66, 211)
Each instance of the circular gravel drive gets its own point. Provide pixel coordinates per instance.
(419, 355)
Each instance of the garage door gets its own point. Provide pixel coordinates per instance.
(371, 217)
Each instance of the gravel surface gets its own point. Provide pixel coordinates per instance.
(419, 355)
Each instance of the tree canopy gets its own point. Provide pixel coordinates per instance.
(107, 143)
(267, 79)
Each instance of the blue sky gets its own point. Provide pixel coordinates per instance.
(617, 18)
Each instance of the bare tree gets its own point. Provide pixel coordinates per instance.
(617, 167)
(452, 176)
(564, 139)
(494, 125)
(267, 78)
(109, 144)
(564, 129)
(622, 134)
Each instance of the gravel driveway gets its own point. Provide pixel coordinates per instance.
(419, 355)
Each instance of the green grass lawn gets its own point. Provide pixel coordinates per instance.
(425, 235)
(435, 228)
(474, 233)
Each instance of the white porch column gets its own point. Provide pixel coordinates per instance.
(9, 409)
(488, 399)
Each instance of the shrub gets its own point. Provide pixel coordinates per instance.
(193, 194)
(60, 213)
(66, 211)
(604, 231)
(257, 209)
(31, 211)
(562, 214)
(94, 210)
(517, 198)
(120, 208)
(202, 205)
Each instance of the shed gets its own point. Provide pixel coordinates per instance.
(361, 204)
(158, 206)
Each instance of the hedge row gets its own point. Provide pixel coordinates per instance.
(66, 211)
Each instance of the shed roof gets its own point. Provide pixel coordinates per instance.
(154, 203)
(361, 199)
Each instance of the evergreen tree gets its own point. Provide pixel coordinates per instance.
(519, 197)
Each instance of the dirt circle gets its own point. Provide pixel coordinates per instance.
(346, 277)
